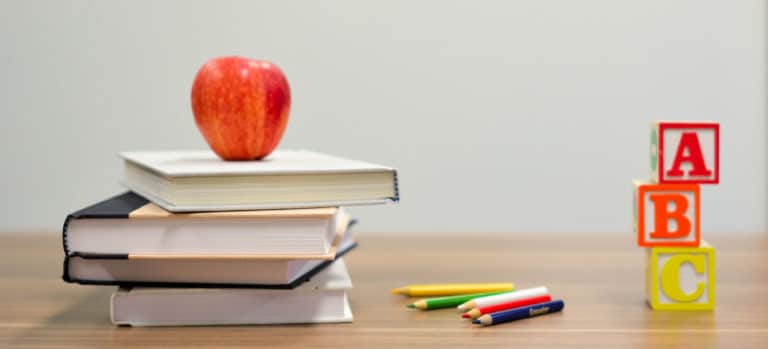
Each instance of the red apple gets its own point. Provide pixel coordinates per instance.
(241, 106)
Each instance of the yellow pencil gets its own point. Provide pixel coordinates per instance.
(451, 289)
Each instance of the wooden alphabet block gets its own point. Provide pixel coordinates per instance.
(667, 214)
(685, 152)
(681, 278)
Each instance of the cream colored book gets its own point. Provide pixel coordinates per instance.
(180, 181)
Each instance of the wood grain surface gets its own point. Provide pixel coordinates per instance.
(600, 277)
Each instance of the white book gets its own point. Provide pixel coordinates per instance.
(199, 181)
(130, 226)
(322, 299)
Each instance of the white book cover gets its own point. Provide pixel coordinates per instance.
(322, 299)
(185, 181)
(206, 163)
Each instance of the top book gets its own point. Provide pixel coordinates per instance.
(184, 181)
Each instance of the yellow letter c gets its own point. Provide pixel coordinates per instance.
(670, 277)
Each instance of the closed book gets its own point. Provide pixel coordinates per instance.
(322, 299)
(126, 240)
(182, 181)
(130, 225)
(223, 272)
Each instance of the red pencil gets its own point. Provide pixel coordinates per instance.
(477, 312)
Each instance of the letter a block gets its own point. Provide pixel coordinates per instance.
(681, 278)
(667, 214)
(685, 152)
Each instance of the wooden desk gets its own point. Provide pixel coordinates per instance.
(600, 278)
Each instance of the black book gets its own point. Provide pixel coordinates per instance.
(127, 240)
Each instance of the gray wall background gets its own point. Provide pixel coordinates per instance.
(502, 116)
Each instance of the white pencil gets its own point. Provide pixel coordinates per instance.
(504, 297)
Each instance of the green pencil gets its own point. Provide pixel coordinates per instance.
(450, 301)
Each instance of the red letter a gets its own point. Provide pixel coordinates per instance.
(690, 141)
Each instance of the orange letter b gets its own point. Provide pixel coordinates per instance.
(663, 216)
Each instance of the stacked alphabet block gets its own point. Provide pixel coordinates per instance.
(680, 267)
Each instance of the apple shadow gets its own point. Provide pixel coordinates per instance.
(207, 161)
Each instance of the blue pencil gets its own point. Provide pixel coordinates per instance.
(519, 313)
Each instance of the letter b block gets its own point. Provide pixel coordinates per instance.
(667, 214)
(685, 152)
(681, 278)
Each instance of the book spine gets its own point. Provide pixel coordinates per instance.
(64, 230)
(397, 188)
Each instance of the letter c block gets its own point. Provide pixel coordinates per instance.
(681, 278)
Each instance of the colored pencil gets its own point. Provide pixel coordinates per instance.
(519, 313)
(504, 297)
(449, 301)
(475, 313)
(451, 289)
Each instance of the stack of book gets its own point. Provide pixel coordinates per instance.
(201, 241)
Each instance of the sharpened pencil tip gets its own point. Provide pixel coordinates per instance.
(395, 291)
(411, 305)
(476, 321)
(465, 315)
